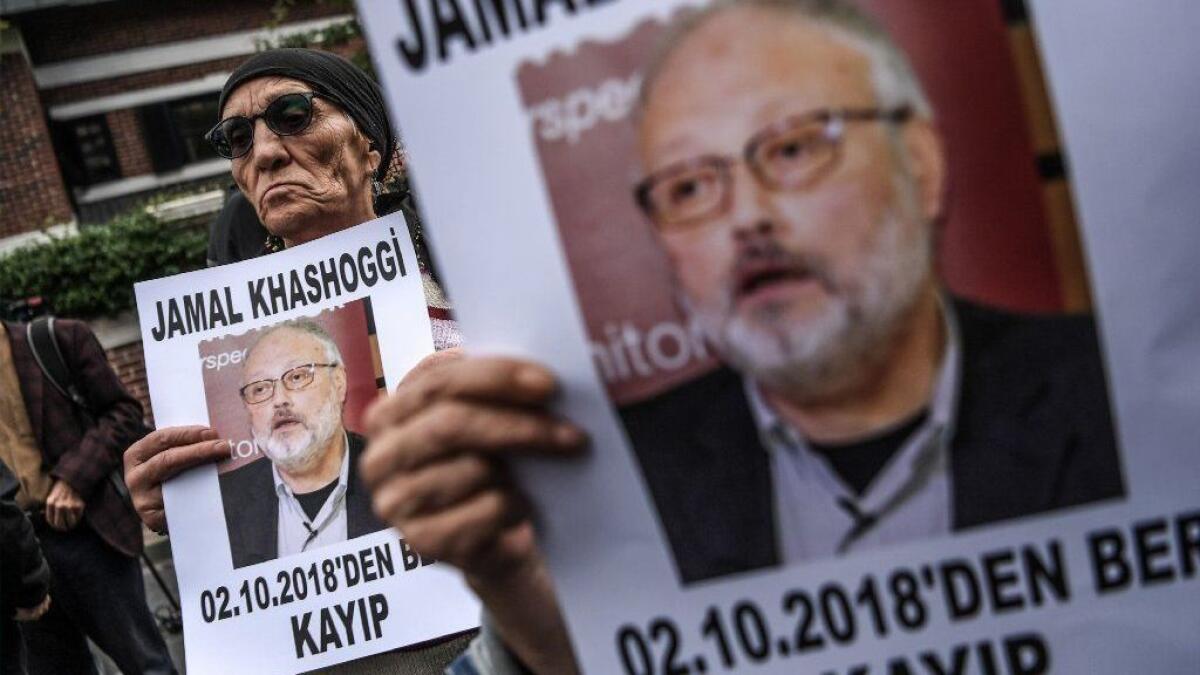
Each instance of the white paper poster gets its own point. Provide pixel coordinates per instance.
(745, 233)
(282, 565)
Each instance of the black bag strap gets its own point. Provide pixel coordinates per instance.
(43, 341)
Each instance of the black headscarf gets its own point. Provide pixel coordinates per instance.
(334, 78)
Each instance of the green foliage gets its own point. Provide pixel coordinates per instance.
(329, 37)
(92, 274)
(333, 35)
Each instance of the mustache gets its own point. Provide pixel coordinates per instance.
(284, 417)
(766, 260)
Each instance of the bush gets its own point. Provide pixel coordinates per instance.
(92, 274)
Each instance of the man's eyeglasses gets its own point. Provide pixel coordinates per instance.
(293, 379)
(793, 154)
(287, 115)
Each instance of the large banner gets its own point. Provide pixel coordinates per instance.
(283, 567)
(791, 262)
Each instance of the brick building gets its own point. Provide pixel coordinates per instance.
(105, 101)
(103, 104)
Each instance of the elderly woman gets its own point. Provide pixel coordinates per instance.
(309, 142)
(309, 169)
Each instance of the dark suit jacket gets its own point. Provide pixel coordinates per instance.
(252, 508)
(1033, 434)
(24, 575)
(76, 451)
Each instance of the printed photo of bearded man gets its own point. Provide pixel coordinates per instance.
(794, 177)
(308, 494)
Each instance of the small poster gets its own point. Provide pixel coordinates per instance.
(283, 566)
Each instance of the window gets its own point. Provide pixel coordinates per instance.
(174, 131)
(86, 151)
(193, 118)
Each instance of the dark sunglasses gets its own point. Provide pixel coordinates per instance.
(287, 115)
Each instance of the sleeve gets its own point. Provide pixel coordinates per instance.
(487, 655)
(216, 237)
(117, 415)
(26, 578)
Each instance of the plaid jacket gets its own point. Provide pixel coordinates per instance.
(76, 450)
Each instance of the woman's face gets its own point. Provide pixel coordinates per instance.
(312, 183)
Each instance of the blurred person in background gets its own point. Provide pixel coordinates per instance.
(24, 575)
(63, 455)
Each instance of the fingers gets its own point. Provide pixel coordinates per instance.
(52, 512)
(71, 516)
(60, 518)
(161, 439)
(161, 455)
(461, 507)
(451, 427)
(512, 552)
(495, 380)
(171, 461)
(152, 512)
(433, 362)
(147, 501)
(465, 535)
(435, 461)
(145, 480)
(433, 488)
(64, 507)
(54, 516)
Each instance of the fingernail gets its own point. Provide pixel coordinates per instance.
(567, 434)
(535, 378)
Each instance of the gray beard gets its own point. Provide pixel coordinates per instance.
(302, 453)
(834, 352)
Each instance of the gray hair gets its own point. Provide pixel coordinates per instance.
(310, 328)
(892, 74)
